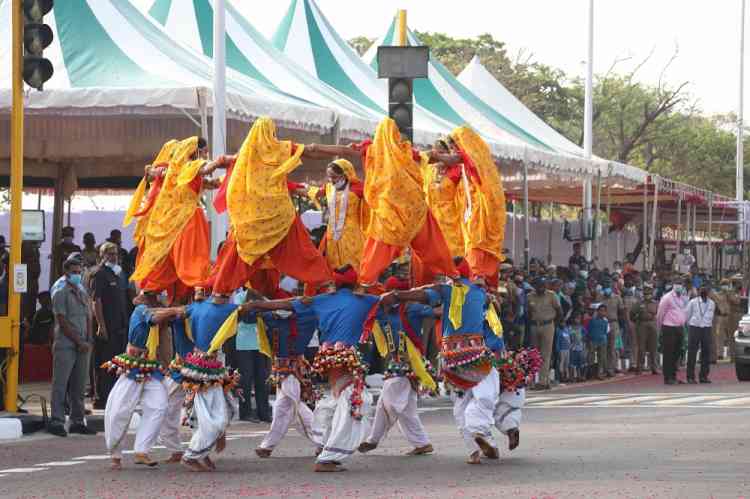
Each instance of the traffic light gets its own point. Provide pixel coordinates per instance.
(36, 37)
(400, 105)
(401, 65)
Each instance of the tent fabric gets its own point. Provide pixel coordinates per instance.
(308, 38)
(107, 55)
(480, 81)
(249, 53)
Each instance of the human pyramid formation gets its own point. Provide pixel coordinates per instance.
(445, 205)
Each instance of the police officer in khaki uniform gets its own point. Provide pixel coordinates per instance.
(721, 319)
(631, 298)
(643, 316)
(544, 312)
(615, 310)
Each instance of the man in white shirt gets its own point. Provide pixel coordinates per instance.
(700, 318)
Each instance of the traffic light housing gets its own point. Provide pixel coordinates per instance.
(401, 105)
(36, 37)
(401, 64)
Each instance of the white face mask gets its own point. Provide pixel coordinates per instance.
(115, 267)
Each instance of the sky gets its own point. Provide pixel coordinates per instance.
(705, 32)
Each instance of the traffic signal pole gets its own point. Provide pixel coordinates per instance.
(16, 188)
(402, 28)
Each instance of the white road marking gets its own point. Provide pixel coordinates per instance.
(22, 470)
(99, 457)
(573, 400)
(60, 463)
(743, 401)
(688, 400)
(629, 400)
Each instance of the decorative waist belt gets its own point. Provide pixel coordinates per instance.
(137, 368)
(465, 360)
(201, 371)
(345, 360)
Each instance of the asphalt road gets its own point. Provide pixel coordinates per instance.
(632, 437)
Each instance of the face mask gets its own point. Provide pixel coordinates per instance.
(74, 279)
(607, 292)
(679, 289)
(115, 267)
(340, 184)
(163, 297)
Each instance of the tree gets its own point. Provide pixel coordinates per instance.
(361, 44)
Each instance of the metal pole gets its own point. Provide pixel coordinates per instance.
(526, 216)
(513, 233)
(219, 137)
(740, 111)
(710, 239)
(609, 215)
(16, 189)
(588, 120)
(679, 223)
(597, 249)
(402, 28)
(654, 214)
(644, 249)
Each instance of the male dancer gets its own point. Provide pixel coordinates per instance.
(289, 336)
(466, 362)
(339, 415)
(139, 382)
(401, 326)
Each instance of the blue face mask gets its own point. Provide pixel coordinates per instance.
(607, 291)
(74, 279)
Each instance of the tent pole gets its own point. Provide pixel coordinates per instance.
(549, 236)
(526, 216)
(594, 226)
(679, 223)
(655, 210)
(645, 226)
(513, 232)
(710, 238)
(219, 136)
(609, 215)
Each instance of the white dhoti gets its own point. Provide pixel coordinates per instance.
(508, 410)
(474, 411)
(121, 404)
(212, 411)
(169, 435)
(339, 432)
(398, 403)
(289, 409)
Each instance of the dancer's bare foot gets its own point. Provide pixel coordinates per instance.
(116, 464)
(328, 467)
(514, 438)
(488, 450)
(221, 444)
(175, 458)
(193, 465)
(366, 447)
(474, 458)
(145, 460)
(421, 451)
(209, 464)
(263, 453)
